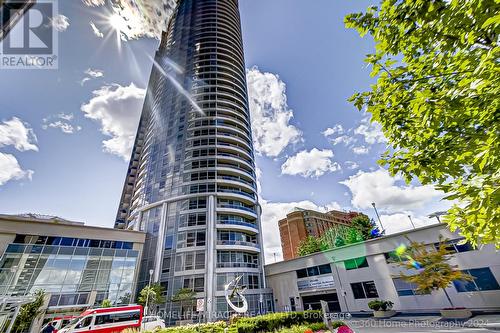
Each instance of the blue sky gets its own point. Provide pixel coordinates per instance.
(314, 149)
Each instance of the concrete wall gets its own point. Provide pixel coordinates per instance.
(282, 278)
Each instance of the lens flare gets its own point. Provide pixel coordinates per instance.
(415, 263)
(401, 249)
(168, 75)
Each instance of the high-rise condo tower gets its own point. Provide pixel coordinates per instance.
(191, 181)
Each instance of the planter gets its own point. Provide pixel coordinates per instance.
(384, 314)
(456, 313)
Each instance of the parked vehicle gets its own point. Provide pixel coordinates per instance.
(151, 323)
(106, 320)
(59, 322)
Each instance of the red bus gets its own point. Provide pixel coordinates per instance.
(59, 322)
(106, 320)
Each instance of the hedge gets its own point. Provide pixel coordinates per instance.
(265, 323)
(274, 321)
(216, 327)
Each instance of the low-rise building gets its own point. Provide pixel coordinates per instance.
(350, 276)
(77, 266)
(301, 223)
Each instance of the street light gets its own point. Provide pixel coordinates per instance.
(378, 217)
(149, 291)
(411, 221)
(437, 215)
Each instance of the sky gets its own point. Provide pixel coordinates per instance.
(65, 134)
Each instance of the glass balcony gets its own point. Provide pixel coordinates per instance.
(237, 243)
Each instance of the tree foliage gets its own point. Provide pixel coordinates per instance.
(106, 303)
(436, 97)
(331, 238)
(430, 268)
(155, 292)
(309, 245)
(29, 312)
(184, 294)
(365, 225)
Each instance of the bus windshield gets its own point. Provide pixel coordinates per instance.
(73, 322)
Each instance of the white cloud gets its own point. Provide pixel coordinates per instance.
(62, 121)
(337, 129)
(59, 22)
(379, 187)
(143, 18)
(313, 163)
(11, 170)
(399, 222)
(16, 133)
(361, 150)
(94, 3)
(66, 116)
(92, 74)
(272, 212)
(371, 131)
(96, 30)
(344, 139)
(64, 127)
(272, 131)
(351, 165)
(117, 108)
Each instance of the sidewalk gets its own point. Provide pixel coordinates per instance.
(487, 321)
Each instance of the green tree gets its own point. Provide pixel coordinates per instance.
(106, 303)
(353, 236)
(152, 295)
(309, 245)
(186, 298)
(364, 224)
(339, 241)
(436, 97)
(430, 268)
(29, 312)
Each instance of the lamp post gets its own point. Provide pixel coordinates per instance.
(437, 215)
(146, 309)
(411, 221)
(378, 217)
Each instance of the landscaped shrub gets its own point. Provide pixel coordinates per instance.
(377, 305)
(274, 321)
(295, 329)
(317, 327)
(216, 327)
(337, 324)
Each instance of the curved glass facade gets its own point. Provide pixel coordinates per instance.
(191, 180)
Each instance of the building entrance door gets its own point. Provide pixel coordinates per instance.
(313, 302)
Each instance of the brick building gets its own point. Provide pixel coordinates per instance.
(301, 223)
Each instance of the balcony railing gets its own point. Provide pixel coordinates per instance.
(237, 207)
(232, 166)
(237, 179)
(237, 264)
(235, 222)
(236, 192)
(238, 243)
